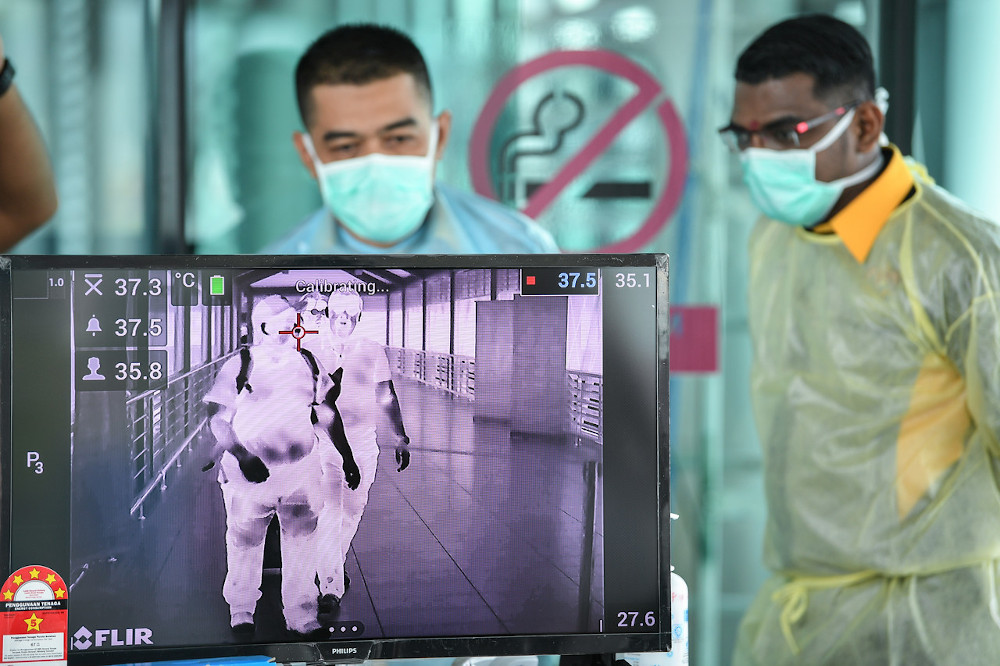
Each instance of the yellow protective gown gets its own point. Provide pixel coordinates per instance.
(876, 391)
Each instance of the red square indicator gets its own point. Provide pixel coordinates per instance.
(529, 279)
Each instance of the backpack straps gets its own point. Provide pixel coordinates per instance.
(246, 365)
(314, 368)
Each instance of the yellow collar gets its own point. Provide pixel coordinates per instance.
(859, 222)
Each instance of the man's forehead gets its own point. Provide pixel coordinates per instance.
(757, 104)
(368, 107)
(345, 301)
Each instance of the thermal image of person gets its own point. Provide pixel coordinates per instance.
(262, 407)
(875, 319)
(367, 395)
(372, 143)
(313, 308)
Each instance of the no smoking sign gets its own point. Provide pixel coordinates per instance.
(652, 197)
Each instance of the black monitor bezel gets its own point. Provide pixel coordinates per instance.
(389, 648)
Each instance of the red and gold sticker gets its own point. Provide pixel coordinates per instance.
(33, 619)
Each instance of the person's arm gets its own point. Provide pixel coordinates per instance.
(328, 418)
(27, 185)
(385, 394)
(253, 468)
(220, 400)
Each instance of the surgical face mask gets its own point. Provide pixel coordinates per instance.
(783, 183)
(378, 197)
(313, 310)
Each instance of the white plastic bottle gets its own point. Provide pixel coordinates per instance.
(678, 656)
(678, 621)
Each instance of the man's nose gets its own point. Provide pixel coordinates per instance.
(369, 145)
(756, 140)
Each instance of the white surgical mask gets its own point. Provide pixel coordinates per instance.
(378, 197)
(783, 183)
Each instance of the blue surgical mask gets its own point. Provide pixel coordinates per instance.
(783, 183)
(378, 197)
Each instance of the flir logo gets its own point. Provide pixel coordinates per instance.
(84, 639)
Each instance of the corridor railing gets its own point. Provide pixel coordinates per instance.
(164, 424)
(457, 375)
(447, 372)
(586, 404)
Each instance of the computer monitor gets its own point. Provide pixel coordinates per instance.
(176, 482)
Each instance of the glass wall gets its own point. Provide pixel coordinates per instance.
(597, 117)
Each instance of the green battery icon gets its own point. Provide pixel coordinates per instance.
(217, 286)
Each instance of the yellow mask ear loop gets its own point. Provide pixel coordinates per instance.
(794, 597)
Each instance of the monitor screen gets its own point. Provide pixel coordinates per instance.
(333, 458)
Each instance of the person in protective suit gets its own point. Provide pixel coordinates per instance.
(269, 416)
(364, 396)
(875, 321)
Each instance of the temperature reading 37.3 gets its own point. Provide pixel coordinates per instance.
(133, 286)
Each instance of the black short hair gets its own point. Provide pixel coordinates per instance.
(357, 54)
(836, 55)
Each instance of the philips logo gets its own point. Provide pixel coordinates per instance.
(84, 639)
(344, 650)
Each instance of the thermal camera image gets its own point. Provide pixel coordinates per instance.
(347, 454)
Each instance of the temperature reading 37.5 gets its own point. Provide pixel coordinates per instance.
(572, 280)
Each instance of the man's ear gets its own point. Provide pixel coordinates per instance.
(870, 123)
(444, 132)
(298, 139)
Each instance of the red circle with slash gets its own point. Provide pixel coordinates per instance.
(648, 89)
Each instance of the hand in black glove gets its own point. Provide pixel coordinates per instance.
(352, 475)
(254, 469)
(402, 454)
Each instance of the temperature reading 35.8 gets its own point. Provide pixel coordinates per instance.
(134, 371)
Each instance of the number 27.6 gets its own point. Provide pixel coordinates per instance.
(632, 619)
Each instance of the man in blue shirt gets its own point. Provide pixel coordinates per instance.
(372, 143)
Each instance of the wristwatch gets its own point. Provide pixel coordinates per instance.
(6, 76)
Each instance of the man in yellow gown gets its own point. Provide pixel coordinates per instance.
(875, 319)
